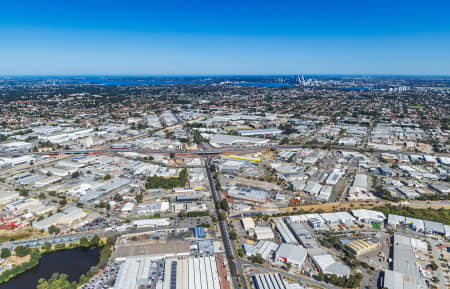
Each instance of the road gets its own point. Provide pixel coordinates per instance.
(76, 236)
(230, 250)
(205, 152)
(436, 256)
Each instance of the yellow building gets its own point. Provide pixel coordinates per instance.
(242, 158)
(362, 247)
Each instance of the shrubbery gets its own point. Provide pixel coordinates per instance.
(167, 183)
(351, 282)
(440, 215)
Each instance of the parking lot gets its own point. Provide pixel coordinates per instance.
(105, 279)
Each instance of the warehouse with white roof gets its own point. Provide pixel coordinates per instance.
(283, 230)
(328, 265)
(368, 216)
(291, 254)
(269, 281)
(337, 218)
(191, 273)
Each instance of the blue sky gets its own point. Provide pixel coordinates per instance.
(226, 37)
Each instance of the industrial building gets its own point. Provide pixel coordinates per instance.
(7, 197)
(395, 220)
(220, 140)
(362, 247)
(428, 227)
(269, 281)
(368, 216)
(291, 254)
(337, 218)
(66, 217)
(17, 146)
(415, 224)
(152, 208)
(303, 235)
(242, 158)
(205, 247)
(334, 177)
(106, 188)
(134, 273)
(263, 248)
(268, 132)
(326, 264)
(34, 206)
(285, 233)
(127, 207)
(405, 273)
(325, 193)
(262, 233)
(191, 273)
(313, 188)
(230, 166)
(199, 232)
(247, 194)
(248, 224)
(314, 220)
(360, 181)
(162, 222)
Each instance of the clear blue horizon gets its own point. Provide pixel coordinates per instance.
(227, 38)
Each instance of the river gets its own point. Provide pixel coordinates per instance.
(72, 262)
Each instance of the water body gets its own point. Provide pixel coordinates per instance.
(264, 84)
(72, 262)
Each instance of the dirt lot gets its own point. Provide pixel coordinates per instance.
(7, 235)
(18, 260)
(248, 182)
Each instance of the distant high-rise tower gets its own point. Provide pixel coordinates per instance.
(301, 80)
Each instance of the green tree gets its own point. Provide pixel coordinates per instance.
(94, 241)
(118, 198)
(22, 251)
(110, 241)
(224, 204)
(257, 259)
(284, 141)
(53, 229)
(5, 253)
(139, 197)
(56, 281)
(84, 242)
(47, 246)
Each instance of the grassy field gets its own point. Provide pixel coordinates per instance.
(6, 236)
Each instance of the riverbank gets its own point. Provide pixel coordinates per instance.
(35, 257)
